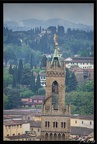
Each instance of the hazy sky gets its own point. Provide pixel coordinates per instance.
(74, 12)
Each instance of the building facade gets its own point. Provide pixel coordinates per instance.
(55, 117)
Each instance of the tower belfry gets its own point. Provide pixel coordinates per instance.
(55, 118)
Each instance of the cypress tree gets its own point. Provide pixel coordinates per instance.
(73, 82)
(32, 83)
(43, 61)
(10, 69)
(38, 84)
(31, 61)
(14, 81)
(67, 81)
(20, 71)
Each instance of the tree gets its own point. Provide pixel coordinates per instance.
(81, 102)
(7, 80)
(73, 82)
(67, 80)
(43, 61)
(26, 77)
(14, 81)
(31, 61)
(32, 83)
(38, 84)
(5, 100)
(41, 91)
(10, 69)
(20, 71)
(14, 100)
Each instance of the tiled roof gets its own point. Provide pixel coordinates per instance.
(81, 131)
(79, 61)
(35, 124)
(20, 136)
(86, 117)
(14, 122)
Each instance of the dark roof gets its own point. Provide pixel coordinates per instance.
(82, 58)
(14, 122)
(87, 117)
(20, 136)
(80, 131)
(79, 61)
(38, 97)
(35, 124)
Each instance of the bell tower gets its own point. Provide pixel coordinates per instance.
(55, 118)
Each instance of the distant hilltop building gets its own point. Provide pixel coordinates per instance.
(55, 117)
(81, 62)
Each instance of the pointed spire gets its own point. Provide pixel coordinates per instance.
(56, 56)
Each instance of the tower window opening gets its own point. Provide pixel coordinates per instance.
(63, 124)
(47, 124)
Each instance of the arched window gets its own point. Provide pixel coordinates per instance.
(59, 136)
(55, 87)
(46, 136)
(63, 137)
(50, 136)
(55, 136)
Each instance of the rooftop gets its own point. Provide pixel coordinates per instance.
(81, 131)
(86, 117)
(14, 122)
(20, 136)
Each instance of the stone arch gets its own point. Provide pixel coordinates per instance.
(63, 137)
(55, 136)
(55, 87)
(55, 94)
(46, 136)
(59, 136)
(51, 135)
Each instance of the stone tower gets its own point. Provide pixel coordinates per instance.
(55, 118)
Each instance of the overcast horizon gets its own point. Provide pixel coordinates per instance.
(74, 12)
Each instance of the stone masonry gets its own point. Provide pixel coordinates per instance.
(55, 123)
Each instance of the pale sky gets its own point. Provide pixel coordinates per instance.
(74, 12)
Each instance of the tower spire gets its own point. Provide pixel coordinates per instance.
(56, 56)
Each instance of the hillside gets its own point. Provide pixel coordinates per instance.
(28, 24)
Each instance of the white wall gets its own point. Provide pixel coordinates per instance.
(25, 127)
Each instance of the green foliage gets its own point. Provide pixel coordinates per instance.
(5, 101)
(87, 86)
(32, 83)
(20, 71)
(71, 81)
(81, 102)
(41, 91)
(43, 61)
(10, 69)
(36, 70)
(15, 76)
(26, 77)
(38, 84)
(26, 94)
(7, 80)
(13, 98)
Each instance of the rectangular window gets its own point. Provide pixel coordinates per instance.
(56, 124)
(90, 123)
(61, 124)
(82, 122)
(40, 101)
(53, 124)
(46, 124)
(35, 101)
(64, 124)
(76, 122)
